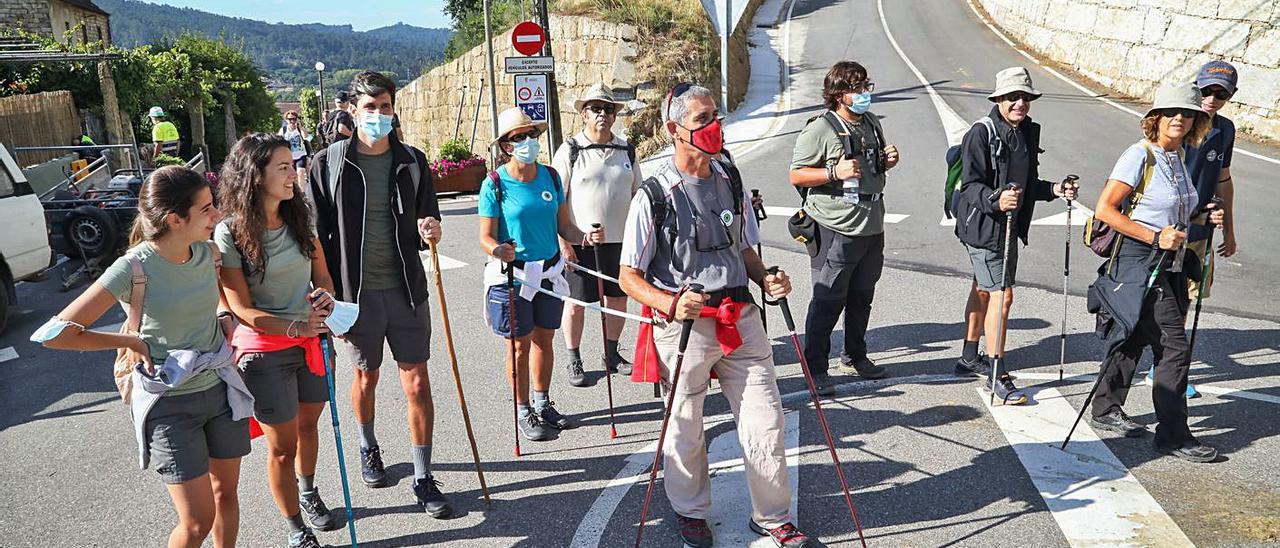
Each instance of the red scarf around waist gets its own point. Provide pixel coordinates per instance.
(646, 367)
(245, 340)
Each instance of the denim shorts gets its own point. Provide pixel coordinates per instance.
(543, 311)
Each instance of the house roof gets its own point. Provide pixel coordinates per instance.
(86, 5)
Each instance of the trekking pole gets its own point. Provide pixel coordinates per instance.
(604, 337)
(685, 329)
(1066, 273)
(1151, 281)
(817, 404)
(337, 437)
(761, 215)
(510, 269)
(453, 361)
(1004, 287)
(1204, 279)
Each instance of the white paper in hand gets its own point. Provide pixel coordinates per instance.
(344, 316)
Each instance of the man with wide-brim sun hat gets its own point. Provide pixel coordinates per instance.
(1013, 79)
(524, 202)
(600, 177)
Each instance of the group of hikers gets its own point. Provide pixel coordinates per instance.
(238, 290)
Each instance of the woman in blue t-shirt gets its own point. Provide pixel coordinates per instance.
(523, 214)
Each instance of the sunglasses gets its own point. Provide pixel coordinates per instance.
(1018, 96)
(520, 137)
(1218, 93)
(607, 110)
(291, 119)
(1186, 113)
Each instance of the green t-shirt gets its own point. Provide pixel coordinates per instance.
(281, 289)
(380, 268)
(179, 307)
(164, 132)
(817, 145)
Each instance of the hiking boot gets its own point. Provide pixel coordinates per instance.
(432, 501)
(617, 364)
(980, 367)
(303, 539)
(318, 515)
(785, 536)
(372, 471)
(1116, 421)
(1007, 393)
(823, 384)
(532, 428)
(694, 532)
(864, 368)
(553, 418)
(1190, 450)
(576, 376)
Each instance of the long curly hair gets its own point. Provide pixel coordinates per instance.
(241, 200)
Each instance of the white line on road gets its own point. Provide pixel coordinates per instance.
(8, 353)
(786, 211)
(954, 126)
(1078, 217)
(1206, 388)
(1091, 494)
(446, 263)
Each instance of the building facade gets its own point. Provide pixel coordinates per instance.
(80, 21)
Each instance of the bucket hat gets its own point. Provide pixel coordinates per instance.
(1010, 80)
(1176, 96)
(155, 112)
(512, 119)
(597, 93)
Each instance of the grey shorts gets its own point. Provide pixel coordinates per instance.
(988, 267)
(185, 431)
(278, 381)
(385, 316)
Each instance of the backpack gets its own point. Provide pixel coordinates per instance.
(955, 164)
(845, 137)
(575, 150)
(322, 131)
(1099, 236)
(658, 197)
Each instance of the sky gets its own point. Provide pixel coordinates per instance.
(363, 15)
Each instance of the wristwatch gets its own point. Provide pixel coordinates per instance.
(1155, 240)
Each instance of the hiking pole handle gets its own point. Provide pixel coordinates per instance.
(688, 324)
(782, 303)
(761, 214)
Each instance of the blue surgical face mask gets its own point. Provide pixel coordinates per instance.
(526, 151)
(376, 126)
(861, 103)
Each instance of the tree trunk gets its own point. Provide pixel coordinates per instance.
(229, 119)
(196, 108)
(111, 111)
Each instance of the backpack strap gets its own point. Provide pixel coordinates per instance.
(1148, 169)
(337, 157)
(133, 316)
(658, 209)
(574, 151)
(735, 183)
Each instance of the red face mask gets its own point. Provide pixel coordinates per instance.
(708, 139)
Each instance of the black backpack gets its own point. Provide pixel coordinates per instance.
(658, 198)
(846, 138)
(575, 150)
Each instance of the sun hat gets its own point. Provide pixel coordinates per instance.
(597, 93)
(1220, 73)
(512, 119)
(1010, 80)
(1185, 95)
(156, 112)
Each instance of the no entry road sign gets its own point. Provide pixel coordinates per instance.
(528, 38)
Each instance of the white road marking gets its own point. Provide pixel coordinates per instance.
(8, 353)
(1079, 216)
(947, 222)
(1206, 388)
(1099, 96)
(786, 211)
(954, 126)
(446, 263)
(1260, 356)
(1091, 494)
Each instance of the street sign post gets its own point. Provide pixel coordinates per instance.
(528, 38)
(529, 65)
(531, 95)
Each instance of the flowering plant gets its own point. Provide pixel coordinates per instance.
(455, 156)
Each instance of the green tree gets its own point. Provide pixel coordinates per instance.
(309, 107)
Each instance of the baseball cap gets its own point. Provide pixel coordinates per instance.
(342, 97)
(1219, 73)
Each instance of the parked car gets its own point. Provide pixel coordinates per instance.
(24, 243)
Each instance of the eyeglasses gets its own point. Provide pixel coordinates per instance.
(867, 87)
(1217, 92)
(291, 119)
(1186, 113)
(697, 235)
(1018, 96)
(520, 137)
(607, 110)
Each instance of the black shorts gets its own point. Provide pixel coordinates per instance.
(300, 162)
(582, 285)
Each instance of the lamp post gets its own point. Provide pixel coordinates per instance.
(320, 93)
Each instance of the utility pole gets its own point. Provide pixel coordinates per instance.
(554, 136)
(319, 93)
(724, 55)
(493, 81)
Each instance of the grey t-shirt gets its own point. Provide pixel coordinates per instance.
(816, 146)
(281, 288)
(707, 249)
(380, 269)
(1170, 196)
(179, 305)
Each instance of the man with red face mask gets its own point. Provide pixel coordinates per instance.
(691, 225)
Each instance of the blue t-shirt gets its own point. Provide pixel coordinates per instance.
(527, 213)
(1170, 197)
(1206, 163)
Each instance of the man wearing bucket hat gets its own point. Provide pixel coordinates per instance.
(1000, 176)
(600, 176)
(523, 218)
(163, 133)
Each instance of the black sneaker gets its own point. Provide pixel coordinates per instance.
(617, 364)
(432, 501)
(533, 428)
(1007, 393)
(1116, 421)
(576, 376)
(371, 469)
(1191, 450)
(864, 368)
(785, 535)
(318, 515)
(980, 367)
(303, 539)
(694, 532)
(553, 418)
(823, 384)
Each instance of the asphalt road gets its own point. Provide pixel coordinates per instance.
(929, 463)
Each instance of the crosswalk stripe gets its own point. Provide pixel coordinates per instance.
(1091, 494)
(8, 353)
(731, 502)
(1079, 216)
(446, 263)
(784, 212)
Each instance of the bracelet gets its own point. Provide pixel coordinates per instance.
(289, 331)
(831, 173)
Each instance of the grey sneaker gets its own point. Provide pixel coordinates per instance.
(864, 368)
(980, 367)
(1007, 393)
(533, 429)
(617, 364)
(576, 376)
(1118, 422)
(303, 539)
(1191, 450)
(553, 418)
(318, 515)
(433, 502)
(372, 471)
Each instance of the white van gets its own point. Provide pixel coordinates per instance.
(24, 238)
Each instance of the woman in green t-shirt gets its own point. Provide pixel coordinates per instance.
(276, 282)
(189, 428)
